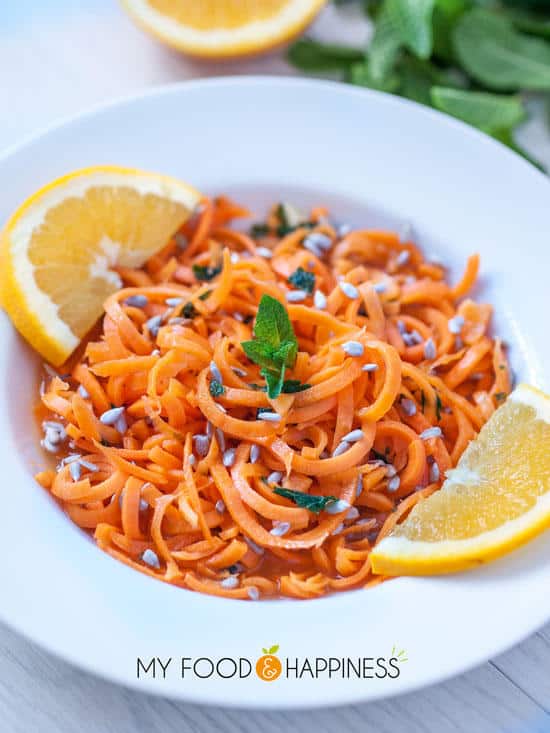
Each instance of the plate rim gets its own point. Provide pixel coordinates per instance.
(196, 695)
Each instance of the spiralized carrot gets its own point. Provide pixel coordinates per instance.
(175, 475)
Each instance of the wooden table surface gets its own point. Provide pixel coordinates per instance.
(61, 56)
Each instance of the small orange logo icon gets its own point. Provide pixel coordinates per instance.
(269, 667)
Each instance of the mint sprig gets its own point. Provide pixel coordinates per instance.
(275, 346)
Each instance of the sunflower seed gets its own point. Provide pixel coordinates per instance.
(342, 447)
(90, 466)
(353, 348)
(254, 453)
(231, 582)
(408, 406)
(335, 507)
(229, 457)
(202, 444)
(320, 300)
(215, 372)
(75, 470)
(280, 529)
(394, 483)
(431, 433)
(150, 558)
(354, 436)
(296, 296)
(349, 290)
(403, 257)
(269, 416)
(153, 325)
(109, 417)
(456, 324)
(430, 351)
(137, 301)
(434, 473)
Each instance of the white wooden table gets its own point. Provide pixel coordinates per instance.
(56, 58)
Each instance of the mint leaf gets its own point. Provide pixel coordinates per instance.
(412, 20)
(290, 386)
(309, 55)
(259, 230)
(189, 311)
(535, 24)
(259, 352)
(488, 112)
(383, 49)
(361, 75)
(275, 346)
(303, 280)
(206, 272)
(285, 355)
(495, 54)
(445, 17)
(272, 323)
(274, 380)
(216, 388)
(312, 502)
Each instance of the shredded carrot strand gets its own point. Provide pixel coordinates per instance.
(180, 480)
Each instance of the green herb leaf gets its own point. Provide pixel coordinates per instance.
(445, 17)
(272, 323)
(274, 380)
(257, 387)
(206, 272)
(259, 230)
(312, 56)
(216, 388)
(489, 112)
(412, 20)
(361, 75)
(259, 352)
(205, 295)
(384, 47)
(189, 311)
(535, 24)
(495, 54)
(303, 280)
(285, 355)
(314, 503)
(275, 346)
(274, 649)
(290, 386)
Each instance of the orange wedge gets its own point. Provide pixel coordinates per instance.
(223, 28)
(496, 499)
(58, 250)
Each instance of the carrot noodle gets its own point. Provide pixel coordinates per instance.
(180, 482)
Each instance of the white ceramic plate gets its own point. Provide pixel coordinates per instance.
(374, 159)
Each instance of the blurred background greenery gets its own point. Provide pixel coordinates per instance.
(478, 60)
